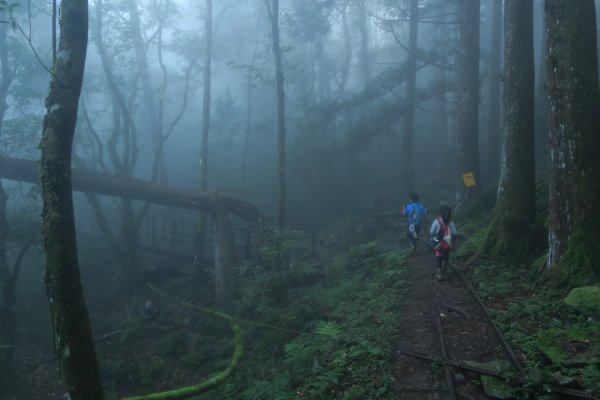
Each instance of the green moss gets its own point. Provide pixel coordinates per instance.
(591, 377)
(474, 244)
(585, 299)
(468, 229)
(508, 237)
(577, 266)
(494, 387)
(539, 263)
(570, 346)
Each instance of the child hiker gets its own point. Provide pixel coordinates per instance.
(441, 234)
(414, 212)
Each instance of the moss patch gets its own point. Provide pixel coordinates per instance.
(570, 346)
(494, 387)
(585, 299)
(577, 268)
(474, 245)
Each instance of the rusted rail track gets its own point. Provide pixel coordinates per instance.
(447, 372)
(471, 367)
(509, 350)
(466, 366)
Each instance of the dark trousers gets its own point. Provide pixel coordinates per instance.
(439, 260)
(412, 241)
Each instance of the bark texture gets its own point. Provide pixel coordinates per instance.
(135, 189)
(225, 259)
(468, 95)
(510, 233)
(73, 340)
(573, 126)
(494, 144)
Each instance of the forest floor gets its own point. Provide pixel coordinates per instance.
(468, 335)
(378, 304)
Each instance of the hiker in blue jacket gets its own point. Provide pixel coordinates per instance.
(415, 213)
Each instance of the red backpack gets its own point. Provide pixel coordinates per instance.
(443, 237)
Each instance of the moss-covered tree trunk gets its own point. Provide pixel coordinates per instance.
(409, 113)
(510, 233)
(225, 259)
(273, 12)
(73, 340)
(468, 96)
(574, 140)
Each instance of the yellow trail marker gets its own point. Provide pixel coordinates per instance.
(469, 179)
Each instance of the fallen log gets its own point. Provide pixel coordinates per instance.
(21, 170)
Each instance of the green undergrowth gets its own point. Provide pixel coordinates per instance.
(326, 331)
(557, 341)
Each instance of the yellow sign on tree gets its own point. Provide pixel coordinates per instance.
(469, 179)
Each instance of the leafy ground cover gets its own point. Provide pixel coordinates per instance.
(349, 321)
(559, 343)
(314, 327)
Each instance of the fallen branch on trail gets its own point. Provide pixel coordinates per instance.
(472, 367)
(21, 170)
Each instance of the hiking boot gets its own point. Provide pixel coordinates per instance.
(438, 274)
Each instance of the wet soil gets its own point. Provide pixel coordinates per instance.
(467, 334)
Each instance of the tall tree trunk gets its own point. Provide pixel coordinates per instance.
(7, 279)
(225, 259)
(541, 100)
(249, 83)
(123, 159)
(347, 60)
(468, 96)
(409, 114)
(443, 159)
(154, 128)
(206, 99)
(510, 231)
(273, 10)
(73, 342)
(573, 102)
(7, 314)
(365, 67)
(494, 145)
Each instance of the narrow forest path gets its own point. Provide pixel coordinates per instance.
(468, 335)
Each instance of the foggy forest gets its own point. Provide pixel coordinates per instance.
(299, 199)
